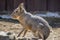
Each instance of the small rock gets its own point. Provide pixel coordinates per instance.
(3, 36)
(7, 35)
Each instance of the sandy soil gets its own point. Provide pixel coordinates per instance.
(16, 28)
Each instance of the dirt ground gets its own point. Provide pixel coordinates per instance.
(16, 28)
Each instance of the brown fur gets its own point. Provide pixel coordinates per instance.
(36, 24)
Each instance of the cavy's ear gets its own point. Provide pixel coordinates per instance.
(21, 5)
(22, 8)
